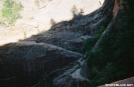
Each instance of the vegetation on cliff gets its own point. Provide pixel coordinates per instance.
(114, 57)
(108, 41)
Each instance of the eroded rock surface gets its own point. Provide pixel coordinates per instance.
(28, 60)
(58, 52)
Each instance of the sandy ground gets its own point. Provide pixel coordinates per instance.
(39, 15)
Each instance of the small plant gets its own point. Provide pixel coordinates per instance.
(88, 46)
(89, 43)
(97, 36)
(10, 11)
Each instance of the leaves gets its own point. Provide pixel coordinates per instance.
(10, 12)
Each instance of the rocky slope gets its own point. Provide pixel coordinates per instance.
(36, 52)
(51, 45)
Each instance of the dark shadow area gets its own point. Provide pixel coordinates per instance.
(23, 64)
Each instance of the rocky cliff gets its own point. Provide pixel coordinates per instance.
(65, 43)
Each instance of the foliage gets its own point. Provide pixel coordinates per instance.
(10, 11)
(45, 81)
(109, 72)
(97, 36)
(114, 60)
(89, 43)
(88, 46)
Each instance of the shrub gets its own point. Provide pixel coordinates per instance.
(101, 30)
(10, 11)
(89, 43)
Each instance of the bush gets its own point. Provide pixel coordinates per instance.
(101, 30)
(10, 11)
(89, 43)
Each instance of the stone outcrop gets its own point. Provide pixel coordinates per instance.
(118, 5)
(75, 74)
(29, 60)
(54, 52)
(59, 51)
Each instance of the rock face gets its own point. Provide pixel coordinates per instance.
(29, 60)
(73, 77)
(57, 52)
(76, 75)
(117, 6)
